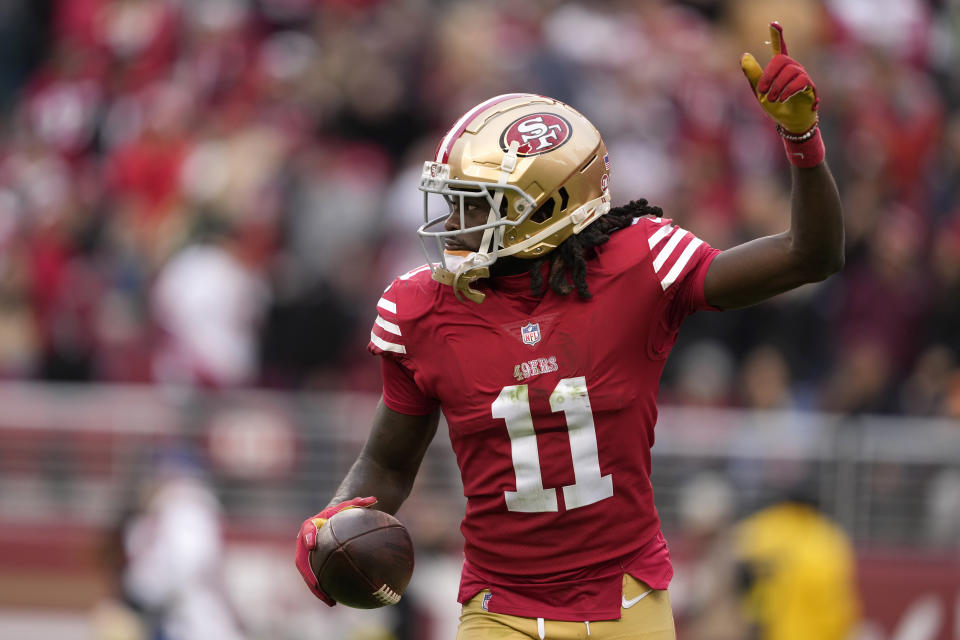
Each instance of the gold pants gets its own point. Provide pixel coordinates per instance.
(649, 618)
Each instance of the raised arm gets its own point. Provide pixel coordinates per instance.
(812, 248)
(809, 251)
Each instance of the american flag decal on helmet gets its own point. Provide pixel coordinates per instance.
(606, 161)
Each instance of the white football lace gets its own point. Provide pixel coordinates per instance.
(386, 595)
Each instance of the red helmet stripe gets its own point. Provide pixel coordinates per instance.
(443, 151)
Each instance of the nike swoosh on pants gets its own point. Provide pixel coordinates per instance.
(626, 604)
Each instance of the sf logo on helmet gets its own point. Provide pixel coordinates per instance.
(536, 134)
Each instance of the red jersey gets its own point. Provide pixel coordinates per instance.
(551, 406)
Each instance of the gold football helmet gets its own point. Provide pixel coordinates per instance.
(541, 167)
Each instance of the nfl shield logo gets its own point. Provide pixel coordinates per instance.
(530, 333)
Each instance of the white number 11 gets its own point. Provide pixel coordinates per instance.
(570, 397)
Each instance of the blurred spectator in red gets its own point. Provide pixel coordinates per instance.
(143, 173)
(880, 306)
(928, 389)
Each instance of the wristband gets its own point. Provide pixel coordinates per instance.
(805, 150)
(798, 137)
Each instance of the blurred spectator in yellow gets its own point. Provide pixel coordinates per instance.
(798, 573)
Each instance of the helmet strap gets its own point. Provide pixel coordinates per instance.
(493, 237)
(578, 220)
(461, 280)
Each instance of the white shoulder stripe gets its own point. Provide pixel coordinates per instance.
(389, 326)
(388, 305)
(658, 236)
(681, 262)
(387, 346)
(668, 249)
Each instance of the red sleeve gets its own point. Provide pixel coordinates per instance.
(680, 261)
(385, 336)
(689, 296)
(400, 390)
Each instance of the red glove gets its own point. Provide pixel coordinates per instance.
(307, 542)
(787, 94)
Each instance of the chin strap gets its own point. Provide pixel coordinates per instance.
(460, 280)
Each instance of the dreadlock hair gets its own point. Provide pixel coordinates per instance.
(568, 262)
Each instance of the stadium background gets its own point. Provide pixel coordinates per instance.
(200, 202)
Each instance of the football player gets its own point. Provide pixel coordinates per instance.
(541, 334)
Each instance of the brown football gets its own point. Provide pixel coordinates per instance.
(363, 558)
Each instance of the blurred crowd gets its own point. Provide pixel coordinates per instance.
(214, 192)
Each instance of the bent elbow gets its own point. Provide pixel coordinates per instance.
(822, 267)
(838, 262)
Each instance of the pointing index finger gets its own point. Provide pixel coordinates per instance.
(777, 44)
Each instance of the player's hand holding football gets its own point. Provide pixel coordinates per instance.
(307, 540)
(787, 94)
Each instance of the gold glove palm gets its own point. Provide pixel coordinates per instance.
(784, 89)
